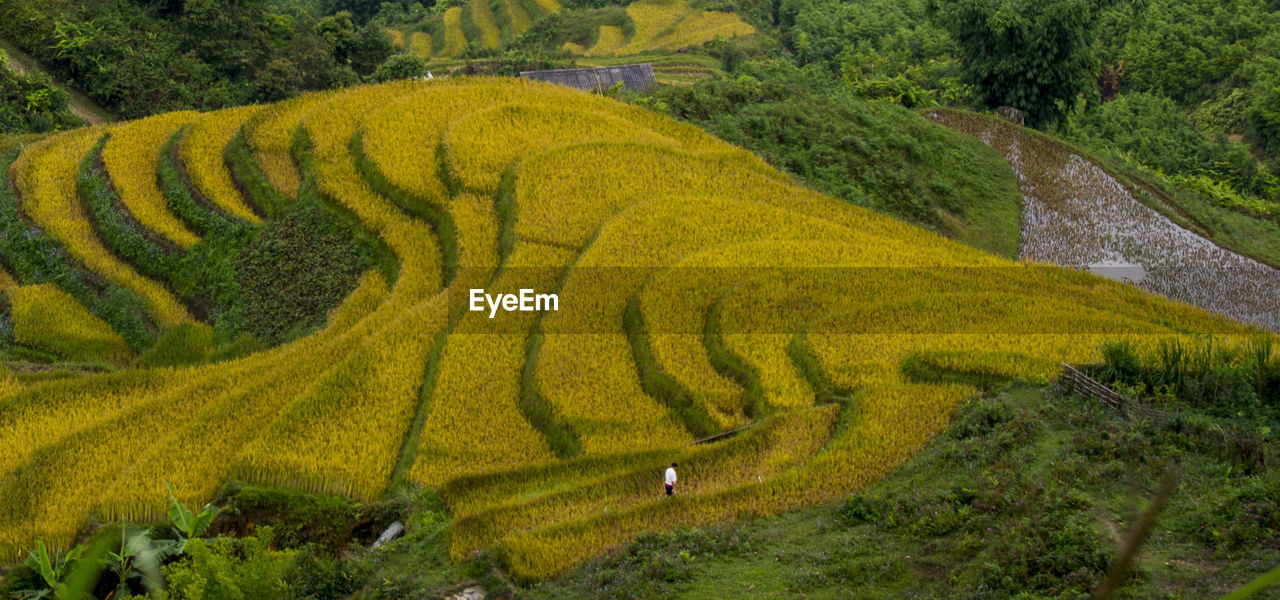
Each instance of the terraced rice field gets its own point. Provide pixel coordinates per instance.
(609, 39)
(486, 25)
(699, 291)
(420, 44)
(517, 17)
(1078, 215)
(455, 40)
(658, 25)
(673, 24)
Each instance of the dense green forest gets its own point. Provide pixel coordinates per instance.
(30, 102)
(143, 57)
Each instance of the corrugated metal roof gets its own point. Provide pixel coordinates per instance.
(637, 77)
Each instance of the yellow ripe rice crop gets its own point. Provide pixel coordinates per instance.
(225, 426)
(403, 139)
(55, 409)
(651, 18)
(608, 39)
(9, 383)
(699, 28)
(8, 285)
(573, 48)
(397, 38)
(455, 41)
(623, 420)
(47, 181)
(481, 145)
(474, 424)
(667, 25)
(549, 6)
(344, 434)
(43, 504)
(420, 44)
(203, 150)
(893, 423)
(477, 229)
(270, 136)
(681, 298)
(631, 240)
(485, 23)
(774, 446)
(547, 178)
(131, 158)
(517, 16)
(48, 318)
(413, 242)
(142, 410)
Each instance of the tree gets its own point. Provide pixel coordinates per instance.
(230, 35)
(400, 66)
(370, 48)
(1035, 55)
(1264, 119)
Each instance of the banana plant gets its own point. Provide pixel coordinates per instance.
(67, 577)
(188, 524)
(51, 569)
(137, 560)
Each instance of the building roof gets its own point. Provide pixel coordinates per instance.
(637, 77)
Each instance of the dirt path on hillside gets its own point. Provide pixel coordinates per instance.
(79, 104)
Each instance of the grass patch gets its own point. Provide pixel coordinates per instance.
(658, 384)
(1025, 493)
(190, 205)
(253, 183)
(873, 154)
(727, 364)
(186, 344)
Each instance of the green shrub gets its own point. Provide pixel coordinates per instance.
(186, 344)
(297, 268)
(230, 569)
(321, 521)
(400, 66)
(1119, 362)
(1152, 130)
(32, 103)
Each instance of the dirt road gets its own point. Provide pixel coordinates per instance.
(79, 104)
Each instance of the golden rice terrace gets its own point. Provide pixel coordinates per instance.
(700, 292)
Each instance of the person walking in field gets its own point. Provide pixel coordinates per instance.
(671, 479)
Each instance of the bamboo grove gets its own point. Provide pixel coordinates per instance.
(701, 291)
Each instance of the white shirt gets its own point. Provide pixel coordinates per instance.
(671, 475)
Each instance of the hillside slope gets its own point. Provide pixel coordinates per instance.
(699, 291)
(79, 104)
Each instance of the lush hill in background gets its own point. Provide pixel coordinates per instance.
(732, 297)
(137, 58)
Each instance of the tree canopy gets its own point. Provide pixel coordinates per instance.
(1034, 55)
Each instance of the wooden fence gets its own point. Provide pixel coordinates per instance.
(1082, 384)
